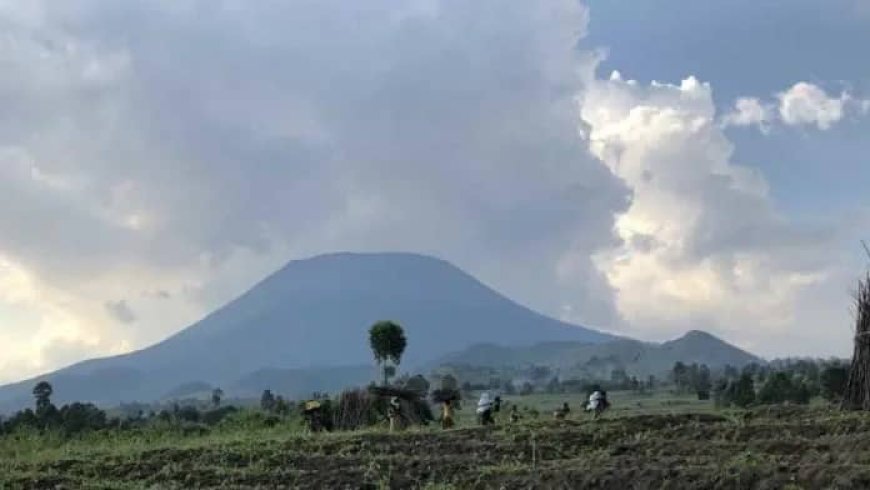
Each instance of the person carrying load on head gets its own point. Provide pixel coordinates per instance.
(312, 413)
(449, 400)
(484, 409)
(515, 414)
(394, 412)
(447, 414)
(598, 402)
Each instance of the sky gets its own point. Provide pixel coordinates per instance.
(643, 167)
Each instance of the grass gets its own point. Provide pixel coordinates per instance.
(665, 442)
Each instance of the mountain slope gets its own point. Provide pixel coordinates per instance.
(315, 313)
(582, 360)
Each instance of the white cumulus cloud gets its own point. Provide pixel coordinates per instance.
(805, 103)
(749, 111)
(703, 246)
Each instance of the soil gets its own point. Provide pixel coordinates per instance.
(764, 449)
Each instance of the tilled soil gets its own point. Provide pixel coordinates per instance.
(788, 448)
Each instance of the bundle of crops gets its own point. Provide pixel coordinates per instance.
(444, 395)
(414, 410)
(417, 411)
(355, 409)
(391, 391)
(857, 395)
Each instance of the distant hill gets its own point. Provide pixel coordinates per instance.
(309, 315)
(583, 360)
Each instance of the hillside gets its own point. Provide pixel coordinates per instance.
(584, 360)
(314, 314)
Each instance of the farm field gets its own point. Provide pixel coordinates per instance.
(665, 443)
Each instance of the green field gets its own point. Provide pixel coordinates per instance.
(656, 441)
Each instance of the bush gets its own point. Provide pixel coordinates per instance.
(781, 388)
(81, 417)
(740, 392)
(832, 382)
(214, 417)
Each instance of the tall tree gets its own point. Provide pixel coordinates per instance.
(267, 401)
(777, 388)
(744, 391)
(387, 340)
(678, 374)
(704, 383)
(216, 395)
(42, 393)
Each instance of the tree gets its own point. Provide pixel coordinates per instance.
(540, 373)
(387, 340)
(776, 389)
(216, 395)
(802, 393)
(703, 383)
(267, 401)
(731, 372)
(527, 389)
(42, 392)
(832, 382)
(679, 374)
(782, 387)
(743, 391)
(282, 408)
(721, 393)
(619, 378)
(79, 417)
(553, 386)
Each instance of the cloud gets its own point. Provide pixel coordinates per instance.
(191, 148)
(121, 311)
(702, 243)
(807, 104)
(748, 111)
(803, 104)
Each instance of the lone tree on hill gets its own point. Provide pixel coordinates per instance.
(857, 394)
(388, 342)
(42, 392)
(216, 395)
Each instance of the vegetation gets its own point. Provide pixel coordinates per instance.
(832, 382)
(659, 434)
(387, 340)
(216, 395)
(671, 442)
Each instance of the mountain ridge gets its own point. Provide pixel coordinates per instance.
(314, 312)
(573, 359)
